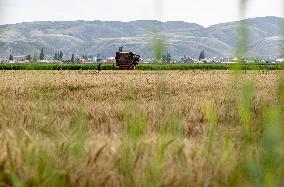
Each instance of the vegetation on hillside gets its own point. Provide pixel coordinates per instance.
(103, 37)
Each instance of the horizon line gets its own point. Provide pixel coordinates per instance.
(129, 21)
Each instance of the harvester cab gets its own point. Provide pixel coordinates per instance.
(126, 60)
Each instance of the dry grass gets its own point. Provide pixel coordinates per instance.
(129, 128)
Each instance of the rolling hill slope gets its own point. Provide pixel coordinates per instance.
(181, 38)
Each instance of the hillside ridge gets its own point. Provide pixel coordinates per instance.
(104, 37)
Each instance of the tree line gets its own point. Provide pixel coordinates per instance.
(58, 56)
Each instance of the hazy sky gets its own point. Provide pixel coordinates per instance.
(204, 12)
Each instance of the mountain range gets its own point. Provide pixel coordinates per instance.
(265, 37)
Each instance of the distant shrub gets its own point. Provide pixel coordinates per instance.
(143, 67)
(37, 66)
(209, 67)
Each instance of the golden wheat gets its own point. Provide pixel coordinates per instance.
(126, 128)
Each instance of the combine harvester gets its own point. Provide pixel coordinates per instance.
(126, 60)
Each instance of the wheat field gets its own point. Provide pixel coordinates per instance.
(134, 128)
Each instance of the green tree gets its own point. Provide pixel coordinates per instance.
(99, 57)
(41, 55)
(73, 58)
(167, 58)
(29, 57)
(85, 56)
(35, 57)
(60, 55)
(201, 56)
(55, 56)
(11, 57)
